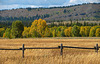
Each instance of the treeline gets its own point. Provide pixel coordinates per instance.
(52, 23)
(72, 23)
(39, 28)
(24, 18)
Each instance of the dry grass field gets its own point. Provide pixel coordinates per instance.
(51, 56)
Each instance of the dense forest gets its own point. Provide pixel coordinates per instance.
(39, 28)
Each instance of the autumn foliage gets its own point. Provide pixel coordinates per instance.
(39, 28)
(68, 32)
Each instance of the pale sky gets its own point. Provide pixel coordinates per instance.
(9, 4)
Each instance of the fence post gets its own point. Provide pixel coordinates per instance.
(61, 49)
(23, 50)
(97, 48)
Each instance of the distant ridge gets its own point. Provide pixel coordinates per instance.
(90, 12)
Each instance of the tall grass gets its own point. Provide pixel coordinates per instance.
(52, 56)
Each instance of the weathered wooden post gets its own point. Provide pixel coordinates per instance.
(23, 50)
(61, 49)
(97, 48)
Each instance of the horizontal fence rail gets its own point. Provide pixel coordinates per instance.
(96, 48)
(11, 49)
(77, 47)
(43, 48)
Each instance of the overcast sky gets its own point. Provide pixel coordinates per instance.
(9, 4)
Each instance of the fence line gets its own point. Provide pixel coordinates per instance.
(96, 48)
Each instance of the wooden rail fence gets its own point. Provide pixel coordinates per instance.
(96, 48)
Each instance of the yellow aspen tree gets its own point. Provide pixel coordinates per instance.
(65, 31)
(47, 32)
(87, 30)
(3, 35)
(82, 31)
(54, 31)
(7, 33)
(58, 33)
(68, 32)
(41, 27)
(97, 34)
(93, 31)
(38, 27)
(26, 32)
